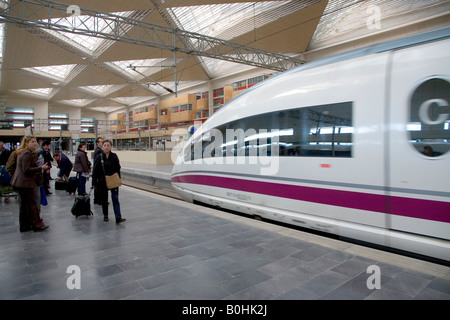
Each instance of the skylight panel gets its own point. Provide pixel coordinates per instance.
(131, 100)
(216, 67)
(58, 72)
(40, 91)
(344, 20)
(215, 19)
(97, 89)
(334, 15)
(103, 90)
(124, 66)
(107, 109)
(77, 102)
(227, 21)
(84, 23)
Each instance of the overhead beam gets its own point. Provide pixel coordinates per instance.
(72, 19)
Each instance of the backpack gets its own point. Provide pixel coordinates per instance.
(5, 178)
(82, 206)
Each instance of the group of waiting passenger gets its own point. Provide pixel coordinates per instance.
(29, 168)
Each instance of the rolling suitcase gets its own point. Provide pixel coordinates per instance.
(72, 185)
(6, 190)
(61, 185)
(82, 206)
(5, 178)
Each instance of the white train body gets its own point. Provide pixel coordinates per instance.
(340, 145)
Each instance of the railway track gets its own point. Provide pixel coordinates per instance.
(149, 188)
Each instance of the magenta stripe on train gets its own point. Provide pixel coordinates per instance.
(402, 206)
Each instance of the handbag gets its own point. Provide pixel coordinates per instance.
(112, 181)
(43, 196)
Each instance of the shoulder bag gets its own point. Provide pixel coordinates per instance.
(112, 181)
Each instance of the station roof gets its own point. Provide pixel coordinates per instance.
(97, 73)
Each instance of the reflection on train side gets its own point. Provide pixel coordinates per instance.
(318, 131)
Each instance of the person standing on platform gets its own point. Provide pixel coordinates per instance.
(107, 163)
(45, 151)
(24, 181)
(97, 152)
(4, 154)
(82, 167)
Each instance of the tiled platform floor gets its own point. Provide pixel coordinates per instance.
(168, 249)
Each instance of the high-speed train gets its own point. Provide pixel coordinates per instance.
(356, 145)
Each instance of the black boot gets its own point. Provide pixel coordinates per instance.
(120, 220)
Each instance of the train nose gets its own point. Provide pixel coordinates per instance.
(182, 190)
(177, 186)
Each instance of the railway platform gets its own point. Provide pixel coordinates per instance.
(172, 250)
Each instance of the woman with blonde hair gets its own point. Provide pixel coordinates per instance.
(24, 180)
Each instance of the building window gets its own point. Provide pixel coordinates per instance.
(19, 116)
(218, 92)
(56, 120)
(88, 125)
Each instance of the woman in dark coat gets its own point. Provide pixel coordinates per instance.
(82, 168)
(24, 181)
(107, 163)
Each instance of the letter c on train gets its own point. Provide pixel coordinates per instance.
(424, 112)
(429, 120)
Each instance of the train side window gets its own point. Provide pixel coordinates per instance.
(316, 131)
(326, 131)
(187, 153)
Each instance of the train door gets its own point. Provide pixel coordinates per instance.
(418, 173)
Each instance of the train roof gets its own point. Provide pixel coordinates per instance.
(396, 44)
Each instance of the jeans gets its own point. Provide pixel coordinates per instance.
(81, 184)
(115, 200)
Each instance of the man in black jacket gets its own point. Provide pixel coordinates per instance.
(64, 164)
(4, 154)
(98, 150)
(48, 160)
